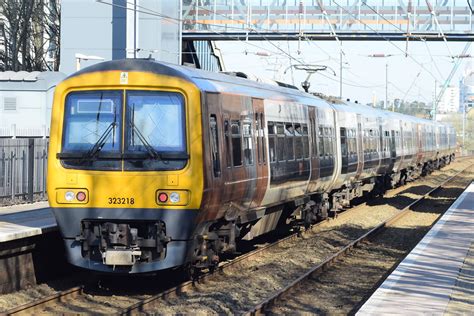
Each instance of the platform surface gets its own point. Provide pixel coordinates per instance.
(25, 220)
(437, 277)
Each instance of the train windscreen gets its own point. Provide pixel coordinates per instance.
(154, 131)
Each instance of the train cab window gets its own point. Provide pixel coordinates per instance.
(155, 126)
(227, 144)
(90, 117)
(214, 143)
(247, 139)
(236, 143)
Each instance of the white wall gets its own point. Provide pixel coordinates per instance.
(108, 30)
(31, 116)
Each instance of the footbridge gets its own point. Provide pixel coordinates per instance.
(419, 20)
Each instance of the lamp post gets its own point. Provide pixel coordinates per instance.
(386, 77)
(80, 57)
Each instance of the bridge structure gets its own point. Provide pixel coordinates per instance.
(419, 20)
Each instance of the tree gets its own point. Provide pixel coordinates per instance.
(30, 32)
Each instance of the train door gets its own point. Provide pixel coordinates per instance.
(260, 152)
(344, 150)
(214, 149)
(240, 176)
(327, 144)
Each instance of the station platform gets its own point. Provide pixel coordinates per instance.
(25, 220)
(437, 277)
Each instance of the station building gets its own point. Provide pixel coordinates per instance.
(25, 103)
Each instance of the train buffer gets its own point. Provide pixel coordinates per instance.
(437, 277)
(25, 220)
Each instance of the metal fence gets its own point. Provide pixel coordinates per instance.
(23, 170)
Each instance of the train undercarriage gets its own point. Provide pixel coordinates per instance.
(300, 214)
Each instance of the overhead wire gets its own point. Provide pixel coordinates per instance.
(401, 30)
(382, 36)
(288, 54)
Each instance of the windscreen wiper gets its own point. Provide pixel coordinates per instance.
(149, 148)
(99, 144)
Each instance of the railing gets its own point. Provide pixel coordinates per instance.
(23, 170)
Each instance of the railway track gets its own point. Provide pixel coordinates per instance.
(263, 306)
(47, 304)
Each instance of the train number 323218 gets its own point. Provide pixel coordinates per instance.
(121, 200)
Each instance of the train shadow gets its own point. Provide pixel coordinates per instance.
(398, 202)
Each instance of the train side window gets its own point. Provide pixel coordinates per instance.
(248, 145)
(262, 136)
(280, 141)
(304, 130)
(271, 142)
(321, 142)
(228, 156)
(344, 148)
(289, 141)
(313, 138)
(259, 145)
(330, 140)
(216, 164)
(236, 143)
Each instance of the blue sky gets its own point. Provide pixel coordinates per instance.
(363, 77)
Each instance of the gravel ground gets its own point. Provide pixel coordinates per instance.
(235, 290)
(346, 286)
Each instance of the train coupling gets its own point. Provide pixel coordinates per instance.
(116, 243)
(121, 257)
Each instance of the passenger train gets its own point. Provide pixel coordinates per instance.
(155, 166)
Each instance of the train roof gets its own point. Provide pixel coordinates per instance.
(220, 82)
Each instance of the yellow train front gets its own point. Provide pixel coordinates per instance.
(125, 171)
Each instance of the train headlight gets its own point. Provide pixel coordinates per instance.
(72, 196)
(174, 197)
(69, 196)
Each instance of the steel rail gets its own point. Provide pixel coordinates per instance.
(261, 308)
(47, 301)
(188, 285)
